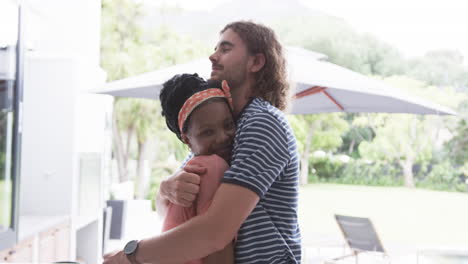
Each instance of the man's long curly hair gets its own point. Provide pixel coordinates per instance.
(271, 80)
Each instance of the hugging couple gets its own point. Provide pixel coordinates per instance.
(235, 199)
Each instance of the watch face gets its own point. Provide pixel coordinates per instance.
(131, 247)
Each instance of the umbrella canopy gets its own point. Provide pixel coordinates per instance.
(320, 87)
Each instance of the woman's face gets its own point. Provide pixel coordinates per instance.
(211, 129)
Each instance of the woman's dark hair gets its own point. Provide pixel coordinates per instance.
(175, 92)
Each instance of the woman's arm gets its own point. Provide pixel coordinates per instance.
(204, 234)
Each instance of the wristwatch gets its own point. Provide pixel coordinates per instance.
(130, 251)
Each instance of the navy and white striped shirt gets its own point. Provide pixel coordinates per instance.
(265, 160)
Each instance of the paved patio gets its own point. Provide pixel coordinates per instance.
(415, 226)
(318, 248)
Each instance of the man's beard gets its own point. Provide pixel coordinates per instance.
(233, 80)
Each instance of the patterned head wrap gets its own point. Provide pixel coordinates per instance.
(198, 98)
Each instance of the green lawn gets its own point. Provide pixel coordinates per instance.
(5, 196)
(400, 215)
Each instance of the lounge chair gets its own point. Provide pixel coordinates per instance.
(360, 235)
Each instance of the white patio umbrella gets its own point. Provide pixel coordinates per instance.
(320, 87)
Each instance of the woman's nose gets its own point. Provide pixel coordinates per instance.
(225, 137)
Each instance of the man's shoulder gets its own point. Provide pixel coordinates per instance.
(260, 111)
(261, 108)
(258, 104)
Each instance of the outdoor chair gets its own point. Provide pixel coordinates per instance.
(360, 235)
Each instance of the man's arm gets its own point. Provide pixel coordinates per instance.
(225, 256)
(203, 234)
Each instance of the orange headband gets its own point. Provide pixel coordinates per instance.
(200, 97)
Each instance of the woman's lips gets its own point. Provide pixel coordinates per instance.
(224, 150)
(225, 153)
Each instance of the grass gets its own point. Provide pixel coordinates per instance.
(400, 215)
(5, 198)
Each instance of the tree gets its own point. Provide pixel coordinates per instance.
(457, 147)
(402, 138)
(140, 119)
(362, 53)
(440, 68)
(316, 131)
(3, 143)
(120, 35)
(405, 138)
(127, 49)
(437, 76)
(355, 136)
(368, 55)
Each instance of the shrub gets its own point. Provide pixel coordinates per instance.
(379, 173)
(333, 169)
(430, 175)
(442, 176)
(324, 167)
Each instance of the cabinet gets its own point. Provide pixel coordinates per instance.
(22, 252)
(54, 244)
(50, 245)
(4, 255)
(62, 242)
(46, 247)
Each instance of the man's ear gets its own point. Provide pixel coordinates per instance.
(258, 62)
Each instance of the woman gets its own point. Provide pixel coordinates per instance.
(186, 101)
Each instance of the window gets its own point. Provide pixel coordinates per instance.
(6, 130)
(11, 53)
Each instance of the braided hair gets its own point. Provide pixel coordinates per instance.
(175, 92)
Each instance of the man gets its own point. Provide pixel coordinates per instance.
(257, 200)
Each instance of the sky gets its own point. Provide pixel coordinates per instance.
(412, 26)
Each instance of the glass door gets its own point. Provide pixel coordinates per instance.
(6, 135)
(11, 53)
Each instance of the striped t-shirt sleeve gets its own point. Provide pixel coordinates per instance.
(261, 153)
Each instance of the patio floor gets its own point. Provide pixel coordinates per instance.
(318, 248)
(322, 240)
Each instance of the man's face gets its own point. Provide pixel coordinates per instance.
(230, 60)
